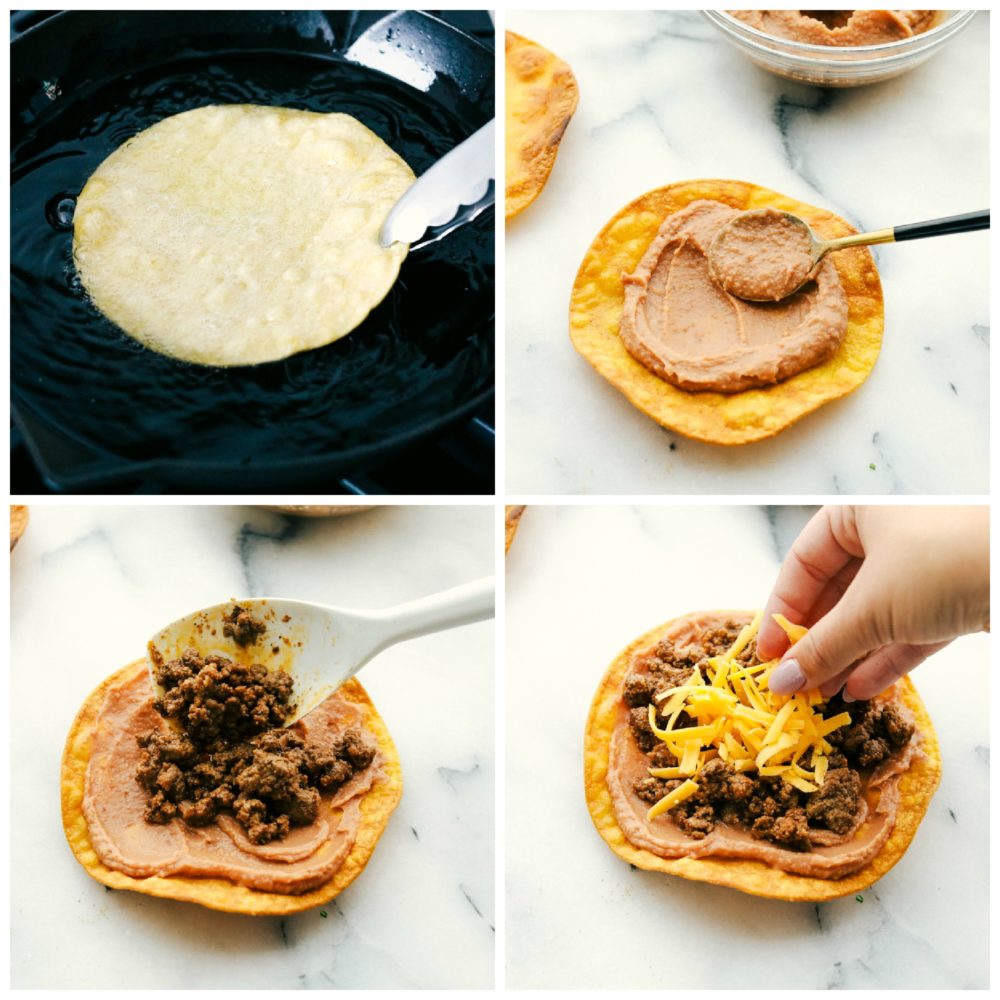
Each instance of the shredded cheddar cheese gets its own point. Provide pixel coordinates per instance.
(685, 791)
(738, 719)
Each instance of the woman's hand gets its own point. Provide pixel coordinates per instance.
(881, 588)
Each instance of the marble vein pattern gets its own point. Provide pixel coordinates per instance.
(89, 585)
(582, 582)
(665, 98)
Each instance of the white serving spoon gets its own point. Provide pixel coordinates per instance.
(320, 646)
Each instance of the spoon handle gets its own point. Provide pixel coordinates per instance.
(942, 227)
(462, 605)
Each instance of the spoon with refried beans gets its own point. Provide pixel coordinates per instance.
(765, 255)
(319, 646)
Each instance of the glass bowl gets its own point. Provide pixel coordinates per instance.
(841, 65)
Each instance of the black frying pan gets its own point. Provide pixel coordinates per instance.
(97, 407)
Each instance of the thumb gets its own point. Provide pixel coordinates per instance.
(838, 639)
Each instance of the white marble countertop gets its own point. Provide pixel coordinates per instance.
(582, 582)
(91, 584)
(664, 98)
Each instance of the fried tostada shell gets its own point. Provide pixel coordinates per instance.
(598, 296)
(215, 893)
(916, 786)
(18, 522)
(541, 95)
(512, 518)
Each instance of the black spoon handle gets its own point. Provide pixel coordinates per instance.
(942, 227)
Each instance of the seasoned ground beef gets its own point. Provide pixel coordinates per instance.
(836, 803)
(652, 789)
(875, 733)
(717, 641)
(641, 731)
(214, 698)
(242, 627)
(662, 756)
(638, 690)
(790, 830)
(230, 758)
(696, 819)
(768, 807)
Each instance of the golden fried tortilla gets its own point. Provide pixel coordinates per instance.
(598, 297)
(238, 234)
(512, 518)
(916, 786)
(302, 510)
(541, 98)
(220, 894)
(18, 522)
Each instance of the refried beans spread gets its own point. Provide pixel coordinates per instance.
(840, 27)
(227, 794)
(828, 833)
(686, 329)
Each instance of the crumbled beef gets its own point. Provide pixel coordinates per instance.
(270, 783)
(873, 752)
(230, 758)
(213, 698)
(251, 814)
(329, 771)
(666, 655)
(876, 731)
(662, 756)
(719, 640)
(352, 746)
(696, 819)
(897, 730)
(668, 677)
(835, 805)
(651, 789)
(638, 690)
(168, 749)
(790, 829)
(768, 807)
(665, 667)
(171, 782)
(159, 809)
(203, 810)
(719, 784)
(242, 627)
(713, 780)
(771, 797)
(741, 787)
(641, 730)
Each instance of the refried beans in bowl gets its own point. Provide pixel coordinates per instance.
(826, 51)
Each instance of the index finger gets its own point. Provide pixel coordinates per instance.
(824, 547)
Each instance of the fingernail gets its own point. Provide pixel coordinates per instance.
(847, 696)
(787, 677)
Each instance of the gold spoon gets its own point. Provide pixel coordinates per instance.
(765, 255)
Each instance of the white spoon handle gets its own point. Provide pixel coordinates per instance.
(471, 602)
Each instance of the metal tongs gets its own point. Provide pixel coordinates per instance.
(454, 191)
